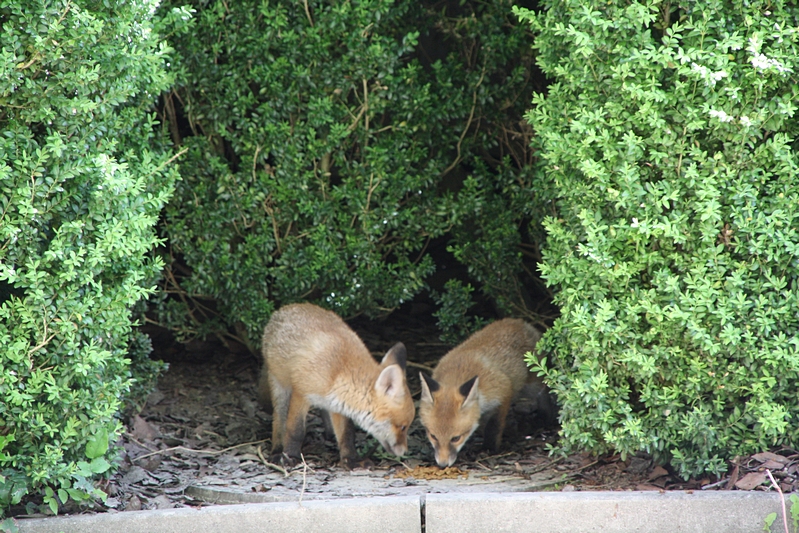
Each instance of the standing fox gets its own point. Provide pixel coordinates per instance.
(313, 359)
(477, 380)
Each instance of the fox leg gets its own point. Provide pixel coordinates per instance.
(344, 429)
(494, 427)
(330, 433)
(295, 429)
(281, 397)
(264, 393)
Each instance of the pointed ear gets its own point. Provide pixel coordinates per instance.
(429, 386)
(469, 390)
(397, 355)
(391, 382)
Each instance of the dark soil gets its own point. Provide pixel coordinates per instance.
(202, 438)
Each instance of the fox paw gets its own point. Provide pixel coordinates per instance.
(284, 460)
(351, 463)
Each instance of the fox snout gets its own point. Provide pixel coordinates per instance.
(399, 449)
(396, 442)
(445, 458)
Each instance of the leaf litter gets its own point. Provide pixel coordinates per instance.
(202, 439)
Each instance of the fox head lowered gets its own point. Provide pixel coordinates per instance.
(393, 405)
(450, 415)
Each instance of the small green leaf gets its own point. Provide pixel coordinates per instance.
(768, 521)
(84, 469)
(4, 440)
(53, 504)
(77, 495)
(82, 484)
(99, 465)
(63, 496)
(9, 526)
(97, 493)
(97, 446)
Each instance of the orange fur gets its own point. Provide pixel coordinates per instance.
(313, 359)
(477, 380)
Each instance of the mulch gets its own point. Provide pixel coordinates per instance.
(202, 438)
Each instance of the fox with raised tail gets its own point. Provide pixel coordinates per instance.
(313, 359)
(477, 381)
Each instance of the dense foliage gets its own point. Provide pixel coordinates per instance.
(669, 139)
(330, 143)
(82, 183)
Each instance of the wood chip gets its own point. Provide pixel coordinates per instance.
(751, 480)
(773, 465)
(142, 430)
(768, 456)
(657, 472)
(733, 478)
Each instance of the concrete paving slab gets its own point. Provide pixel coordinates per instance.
(395, 514)
(540, 512)
(608, 512)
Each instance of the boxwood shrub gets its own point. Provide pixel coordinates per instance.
(669, 142)
(82, 181)
(330, 145)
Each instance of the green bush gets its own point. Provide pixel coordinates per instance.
(328, 145)
(82, 182)
(669, 142)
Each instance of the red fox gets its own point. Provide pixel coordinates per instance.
(477, 380)
(313, 359)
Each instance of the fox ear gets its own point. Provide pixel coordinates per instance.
(391, 382)
(397, 355)
(429, 386)
(469, 390)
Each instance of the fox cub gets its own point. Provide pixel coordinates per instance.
(477, 380)
(313, 359)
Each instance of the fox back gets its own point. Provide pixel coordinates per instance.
(313, 359)
(477, 380)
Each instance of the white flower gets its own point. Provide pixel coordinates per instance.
(709, 76)
(634, 223)
(721, 115)
(760, 60)
(703, 71)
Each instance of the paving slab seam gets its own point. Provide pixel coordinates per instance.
(423, 513)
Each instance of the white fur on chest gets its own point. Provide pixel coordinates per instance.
(363, 419)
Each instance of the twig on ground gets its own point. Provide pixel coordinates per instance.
(134, 439)
(304, 477)
(484, 467)
(716, 484)
(782, 499)
(271, 465)
(192, 450)
(545, 466)
(589, 465)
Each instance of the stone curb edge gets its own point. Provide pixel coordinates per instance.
(542, 512)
